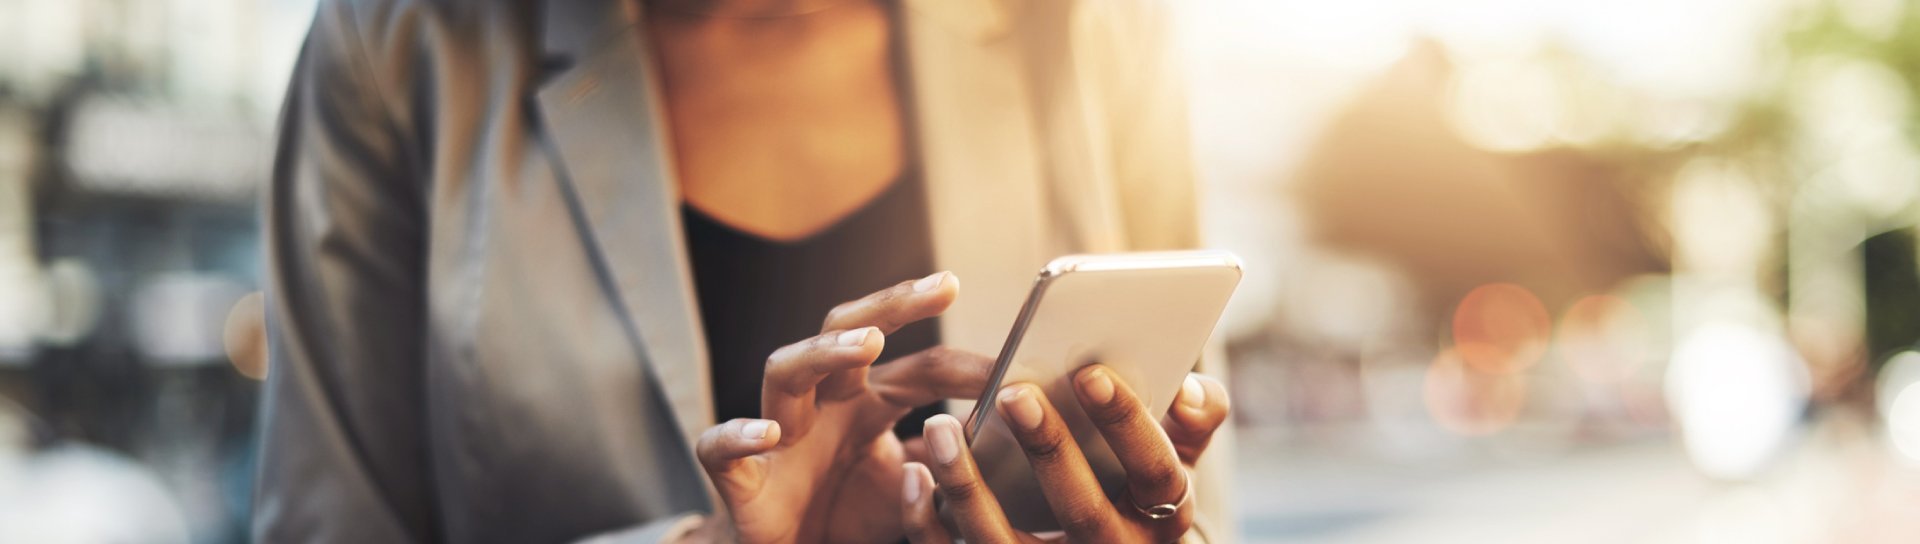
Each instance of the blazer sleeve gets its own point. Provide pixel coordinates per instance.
(344, 457)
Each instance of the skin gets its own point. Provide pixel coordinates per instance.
(1157, 456)
(785, 117)
(824, 465)
(828, 460)
(781, 126)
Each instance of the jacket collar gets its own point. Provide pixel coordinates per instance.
(603, 122)
(978, 151)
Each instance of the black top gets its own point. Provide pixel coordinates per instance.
(757, 295)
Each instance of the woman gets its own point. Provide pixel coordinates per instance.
(526, 256)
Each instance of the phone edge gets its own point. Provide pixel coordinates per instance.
(1061, 266)
(984, 406)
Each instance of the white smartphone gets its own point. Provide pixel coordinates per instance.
(1147, 316)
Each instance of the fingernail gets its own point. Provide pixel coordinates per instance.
(756, 429)
(910, 487)
(943, 437)
(1098, 386)
(928, 283)
(1192, 394)
(856, 337)
(1021, 407)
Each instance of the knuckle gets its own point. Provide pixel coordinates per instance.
(1082, 522)
(942, 359)
(1115, 414)
(961, 491)
(841, 311)
(1160, 477)
(823, 340)
(1047, 448)
(785, 355)
(781, 373)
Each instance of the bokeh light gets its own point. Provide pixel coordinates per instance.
(1897, 396)
(1903, 423)
(1501, 328)
(1465, 400)
(1737, 394)
(1605, 339)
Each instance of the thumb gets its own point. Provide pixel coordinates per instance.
(730, 454)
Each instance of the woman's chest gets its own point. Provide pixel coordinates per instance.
(781, 129)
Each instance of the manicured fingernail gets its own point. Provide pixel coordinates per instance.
(910, 487)
(756, 429)
(1192, 393)
(1021, 406)
(1098, 386)
(856, 337)
(928, 283)
(943, 437)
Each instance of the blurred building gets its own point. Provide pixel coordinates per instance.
(134, 137)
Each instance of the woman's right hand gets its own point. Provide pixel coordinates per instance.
(824, 464)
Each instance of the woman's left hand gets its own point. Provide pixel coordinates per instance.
(1158, 458)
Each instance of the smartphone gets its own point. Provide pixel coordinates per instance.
(1147, 316)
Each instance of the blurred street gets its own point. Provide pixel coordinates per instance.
(1517, 271)
(1837, 485)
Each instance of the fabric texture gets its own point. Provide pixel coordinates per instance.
(481, 315)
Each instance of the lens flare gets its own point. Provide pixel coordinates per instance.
(1501, 328)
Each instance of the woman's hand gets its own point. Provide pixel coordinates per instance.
(824, 465)
(1158, 458)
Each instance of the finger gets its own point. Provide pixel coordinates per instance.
(888, 309)
(916, 508)
(975, 510)
(896, 306)
(793, 372)
(727, 453)
(1154, 474)
(930, 376)
(1200, 409)
(1078, 503)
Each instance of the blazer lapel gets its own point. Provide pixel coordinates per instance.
(601, 114)
(979, 153)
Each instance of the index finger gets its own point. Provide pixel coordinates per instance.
(975, 509)
(896, 306)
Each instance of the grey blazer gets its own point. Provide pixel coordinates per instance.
(481, 325)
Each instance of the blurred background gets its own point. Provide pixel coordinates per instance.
(1520, 270)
